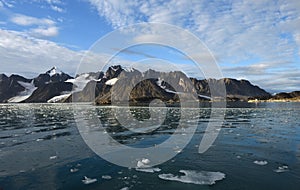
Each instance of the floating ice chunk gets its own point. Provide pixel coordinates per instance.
(87, 180)
(52, 157)
(281, 169)
(140, 164)
(106, 177)
(125, 188)
(73, 170)
(195, 177)
(38, 140)
(261, 163)
(143, 163)
(148, 170)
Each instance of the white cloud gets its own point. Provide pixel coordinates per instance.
(245, 29)
(57, 9)
(7, 4)
(48, 32)
(55, 5)
(24, 20)
(21, 54)
(235, 31)
(40, 27)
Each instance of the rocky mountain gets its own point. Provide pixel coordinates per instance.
(285, 95)
(120, 85)
(235, 89)
(16, 88)
(11, 86)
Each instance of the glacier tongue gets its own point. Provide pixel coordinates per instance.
(29, 89)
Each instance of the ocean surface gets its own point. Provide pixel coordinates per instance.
(258, 147)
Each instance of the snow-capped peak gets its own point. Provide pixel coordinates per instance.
(53, 71)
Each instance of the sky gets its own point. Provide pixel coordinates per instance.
(256, 40)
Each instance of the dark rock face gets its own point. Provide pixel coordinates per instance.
(48, 91)
(137, 87)
(9, 86)
(235, 89)
(284, 95)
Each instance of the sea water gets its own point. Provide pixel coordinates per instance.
(258, 147)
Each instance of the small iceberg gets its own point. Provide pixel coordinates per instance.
(87, 180)
(73, 170)
(282, 169)
(195, 177)
(125, 188)
(143, 163)
(261, 163)
(142, 166)
(52, 157)
(148, 170)
(106, 177)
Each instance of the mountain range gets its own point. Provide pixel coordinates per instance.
(118, 84)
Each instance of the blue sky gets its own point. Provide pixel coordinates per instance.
(254, 40)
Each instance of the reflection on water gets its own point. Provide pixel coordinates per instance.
(40, 147)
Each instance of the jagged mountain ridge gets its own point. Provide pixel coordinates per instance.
(118, 83)
(16, 89)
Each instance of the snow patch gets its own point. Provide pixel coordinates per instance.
(129, 69)
(54, 71)
(159, 83)
(203, 96)
(29, 89)
(58, 98)
(195, 177)
(111, 82)
(81, 81)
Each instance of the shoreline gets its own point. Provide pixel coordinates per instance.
(274, 100)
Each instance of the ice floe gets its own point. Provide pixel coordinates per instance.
(125, 188)
(195, 177)
(261, 163)
(142, 166)
(282, 169)
(106, 177)
(53, 157)
(143, 163)
(73, 170)
(87, 180)
(148, 170)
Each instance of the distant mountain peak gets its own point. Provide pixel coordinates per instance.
(53, 71)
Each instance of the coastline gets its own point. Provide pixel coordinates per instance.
(275, 100)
